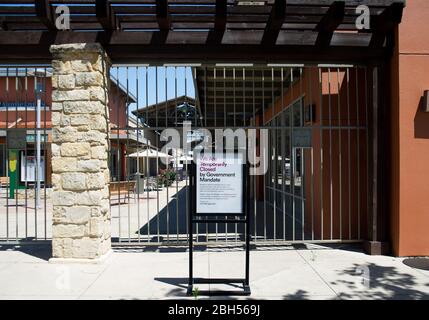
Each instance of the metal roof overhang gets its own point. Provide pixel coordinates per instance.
(160, 31)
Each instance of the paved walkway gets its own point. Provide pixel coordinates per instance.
(305, 272)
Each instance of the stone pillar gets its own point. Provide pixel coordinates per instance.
(80, 133)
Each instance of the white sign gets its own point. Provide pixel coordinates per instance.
(219, 182)
(28, 168)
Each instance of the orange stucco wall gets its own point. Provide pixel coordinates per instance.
(410, 134)
(338, 100)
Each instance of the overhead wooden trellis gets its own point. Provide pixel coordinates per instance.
(132, 30)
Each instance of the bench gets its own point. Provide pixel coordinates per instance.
(4, 182)
(121, 190)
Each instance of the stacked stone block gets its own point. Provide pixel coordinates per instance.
(80, 174)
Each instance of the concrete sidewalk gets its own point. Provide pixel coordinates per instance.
(304, 272)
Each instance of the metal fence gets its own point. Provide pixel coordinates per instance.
(25, 131)
(315, 118)
(315, 188)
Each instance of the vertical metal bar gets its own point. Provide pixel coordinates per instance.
(375, 154)
(25, 152)
(331, 186)
(358, 146)
(276, 152)
(16, 119)
(138, 176)
(118, 160)
(35, 196)
(349, 154)
(214, 96)
(224, 97)
(157, 152)
(177, 183)
(321, 151)
(167, 159)
(224, 123)
(244, 97)
(235, 125)
(189, 220)
(302, 173)
(340, 168)
(293, 155)
(36, 204)
(233, 96)
(45, 141)
(270, 184)
(310, 80)
(148, 187)
(127, 166)
(215, 124)
(247, 230)
(8, 185)
(205, 121)
(263, 124)
(186, 167)
(367, 139)
(254, 156)
(247, 226)
(196, 116)
(283, 151)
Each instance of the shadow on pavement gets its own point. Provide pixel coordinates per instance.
(382, 283)
(41, 250)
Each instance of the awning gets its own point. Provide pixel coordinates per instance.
(149, 153)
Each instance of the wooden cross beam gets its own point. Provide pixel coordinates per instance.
(44, 13)
(385, 23)
(274, 23)
(162, 15)
(329, 23)
(3, 25)
(104, 16)
(164, 23)
(215, 36)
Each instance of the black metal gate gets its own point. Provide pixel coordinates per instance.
(25, 153)
(308, 123)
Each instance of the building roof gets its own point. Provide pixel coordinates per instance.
(46, 71)
(171, 112)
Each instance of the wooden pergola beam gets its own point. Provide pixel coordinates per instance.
(3, 25)
(104, 15)
(44, 13)
(215, 36)
(385, 23)
(329, 23)
(274, 23)
(163, 15)
(163, 20)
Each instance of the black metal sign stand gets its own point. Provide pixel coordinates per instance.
(195, 218)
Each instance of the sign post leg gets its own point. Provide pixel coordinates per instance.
(191, 234)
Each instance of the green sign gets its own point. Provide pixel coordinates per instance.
(31, 138)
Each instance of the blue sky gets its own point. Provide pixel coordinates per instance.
(163, 83)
